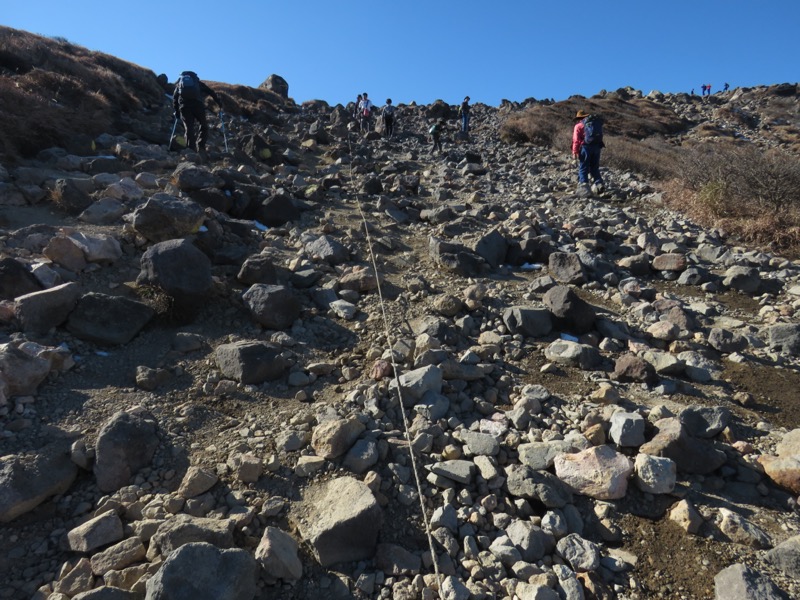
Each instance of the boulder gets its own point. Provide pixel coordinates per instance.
(201, 571)
(179, 269)
(108, 320)
(340, 519)
(276, 84)
(277, 555)
(272, 306)
(599, 472)
(332, 439)
(38, 312)
(570, 312)
(16, 279)
(184, 529)
(672, 440)
(530, 322)
(125, 444)
(164, 217)
(28, 480)
(739, 582)
(250, 362)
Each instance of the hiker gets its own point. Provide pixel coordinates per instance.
(364, 112)
(587, 142)
(463, 112)
(188, 100)
(387, 113)
(692, 92)
(436, 135)
(726, 87)
(357, 107)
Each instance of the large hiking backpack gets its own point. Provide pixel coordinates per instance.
(593, 130)
(188, 86)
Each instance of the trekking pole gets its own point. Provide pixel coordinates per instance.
(172, 135)
(222, 123)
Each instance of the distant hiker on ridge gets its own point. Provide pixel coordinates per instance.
(357, 107)
(364, 112)
(387, 113)
(587, 142)
(726, 87)
(463, 112)
(188, 101)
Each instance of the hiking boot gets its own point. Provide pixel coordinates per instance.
(583, 190)
(598, 188)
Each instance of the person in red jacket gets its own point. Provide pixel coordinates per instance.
(587, 155)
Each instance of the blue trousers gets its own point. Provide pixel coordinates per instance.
(465, 122)
(589, 163)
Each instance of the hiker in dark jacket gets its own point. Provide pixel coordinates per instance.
(387, 113)
(463, 112)
(188, 100)
(436, 131)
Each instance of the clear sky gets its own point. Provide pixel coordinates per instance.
(424, 50)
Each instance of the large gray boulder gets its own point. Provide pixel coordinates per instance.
(566, 267)
(673, 440)
(179, 269)
(530, 322)
(739, 582)
(22, 372)
(16, 279)
(108, 320)
(785, 337)
(185, 529)
(164, 217)
(38, 312)
(277, 84)
(200, 571)
(28, 480)
(277, 555)
(340, 519)
(570, 312)
(125, 444)
(250, 362)
(273, 306)
(786, 556)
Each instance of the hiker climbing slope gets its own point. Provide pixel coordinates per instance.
(587, 142)
(387, 113)
(188, 100)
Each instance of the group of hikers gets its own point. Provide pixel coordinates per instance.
(363, 110)
(706, 89)
(188, 101)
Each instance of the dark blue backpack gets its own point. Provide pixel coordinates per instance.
(189, 86)
(592, 130)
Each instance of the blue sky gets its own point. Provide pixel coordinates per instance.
(415, 50)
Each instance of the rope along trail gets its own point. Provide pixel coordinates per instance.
(388, 332)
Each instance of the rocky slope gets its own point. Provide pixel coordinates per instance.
(208, 369)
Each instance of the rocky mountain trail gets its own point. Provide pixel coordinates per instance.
(198, 379)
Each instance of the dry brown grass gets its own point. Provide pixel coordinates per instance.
(750, 193)
(54, 93)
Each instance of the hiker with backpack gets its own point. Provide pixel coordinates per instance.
(436, 131)
(387, 114)
(364, 112)
(357, 107)
(188, 101)
(587, 142)
(463, 112)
